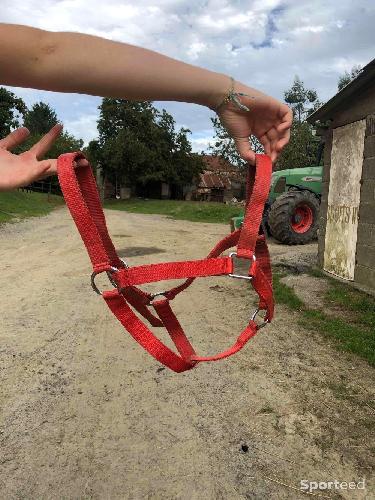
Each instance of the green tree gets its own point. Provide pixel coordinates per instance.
(303, 145)
(302, 148)
(185, 171)
(12, 109)
(40, 118)
(93, 152)
(347, 77)
(139, 144)
(302, 101)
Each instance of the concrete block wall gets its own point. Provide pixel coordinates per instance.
(365, 255)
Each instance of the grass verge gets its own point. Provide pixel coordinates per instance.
(194, 211)
(16, 205)
(349, 321)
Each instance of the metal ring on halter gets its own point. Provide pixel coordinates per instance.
(254, 315)
(239, 276)
(109, 274)
(126, 265)
(157, 294)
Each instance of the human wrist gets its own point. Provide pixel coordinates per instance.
(213, 90)
(227, 93)
(218, 91)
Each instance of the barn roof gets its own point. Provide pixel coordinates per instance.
(364, 80)
(210, 180)
(218, 173)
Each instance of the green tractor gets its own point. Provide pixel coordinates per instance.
(292, 210)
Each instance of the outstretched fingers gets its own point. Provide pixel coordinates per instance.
(41, 147)
(14, 139)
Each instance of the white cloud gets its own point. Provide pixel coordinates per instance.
(262, 43)
(195, 49)
(201, 143)
(308, 29)
(83, 127)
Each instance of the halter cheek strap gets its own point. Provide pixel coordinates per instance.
(82, 198)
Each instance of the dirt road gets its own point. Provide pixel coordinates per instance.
(86, 413)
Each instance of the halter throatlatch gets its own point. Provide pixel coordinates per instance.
(81, 195)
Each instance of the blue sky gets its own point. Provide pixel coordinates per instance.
(262, 43)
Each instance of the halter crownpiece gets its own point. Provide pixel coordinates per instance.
(82, 198)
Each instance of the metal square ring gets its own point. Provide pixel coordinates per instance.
(240, 276)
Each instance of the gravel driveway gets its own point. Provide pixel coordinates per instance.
(86, 413)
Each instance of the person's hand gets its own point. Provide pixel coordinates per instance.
(269, 120)
(21, 170)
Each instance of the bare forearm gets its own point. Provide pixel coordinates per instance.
(74, 62)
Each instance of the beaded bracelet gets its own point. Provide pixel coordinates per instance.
(233, 97)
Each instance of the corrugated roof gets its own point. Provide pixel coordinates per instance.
(217, 163)
(211, 180)
(218, 173)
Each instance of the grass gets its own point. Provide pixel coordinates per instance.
(284, 294)
(353, 332)
(15, 205)
(361, 305)
(194, 211)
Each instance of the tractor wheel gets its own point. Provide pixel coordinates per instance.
(293, 218)
(265, 224)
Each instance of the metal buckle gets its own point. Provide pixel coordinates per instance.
(254, 315)
(157, 294)
(239, 276)
(109, 274)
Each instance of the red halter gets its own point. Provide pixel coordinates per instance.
(82, 198)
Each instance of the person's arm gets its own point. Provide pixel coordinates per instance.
(75, 62)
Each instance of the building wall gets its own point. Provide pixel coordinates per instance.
(344, 199)
(365, 257)
(360, 107)
(324, 202)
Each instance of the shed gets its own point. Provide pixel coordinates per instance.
(220, 181)
(346, 123)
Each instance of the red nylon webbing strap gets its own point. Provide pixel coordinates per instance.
(131, 295)
(255, 206)
(182, 343)
(81, 195)
(174, 329)
(241, 341)
(228, 242)
(82, 198)
(173, 270)
(143, 335)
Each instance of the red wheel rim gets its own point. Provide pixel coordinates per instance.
(302, 219)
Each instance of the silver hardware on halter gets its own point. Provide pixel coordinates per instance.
(126, 265)
(254, 315)
(239, 276)
(109, 274)
(157, 294)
